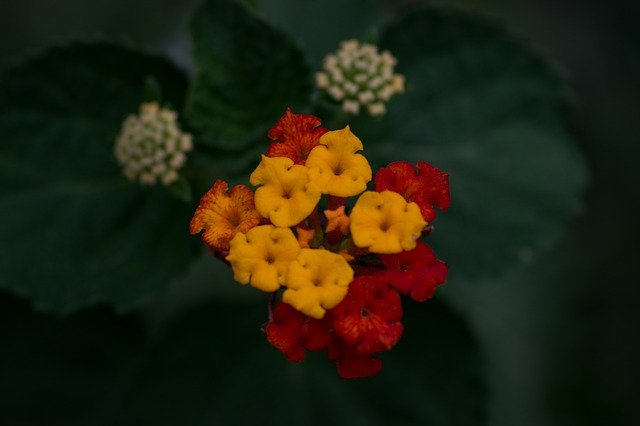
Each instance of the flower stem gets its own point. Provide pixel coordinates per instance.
(270, 305)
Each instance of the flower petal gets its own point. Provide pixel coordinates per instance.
(286, 196)
(335, 166)
(291, 332)
(369, 316)
(316, 281)
(427, 187)
(384, 222)
(222, 214)
(417, 272)
(295, 135)
(262, 256)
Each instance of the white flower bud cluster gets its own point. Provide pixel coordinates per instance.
(151, 147)
(359, 77)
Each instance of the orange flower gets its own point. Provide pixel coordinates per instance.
(337, 220)
(295, 135)
(304, 236)
(222, 214)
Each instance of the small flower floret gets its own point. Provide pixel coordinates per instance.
(261, 257)
(222, 214)
(416, 272)
(286, 195)
(293, 332)
(295, 135)
(423, 184)
(316, 281)
(335, 165)
(384, 222)
(369, 316)
(151, 147)
(360, 77)
(337, 220)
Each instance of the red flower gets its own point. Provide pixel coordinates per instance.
(417, 272)
(292, 332)
(295, 135)
(428, 187)
(350, 363)
(369, 316)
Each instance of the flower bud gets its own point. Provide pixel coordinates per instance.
(151, 147)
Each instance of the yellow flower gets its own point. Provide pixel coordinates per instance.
(337, 220)
(261, 256)
(335, 166)
(316, 281)
(385, 223)
(286, 196)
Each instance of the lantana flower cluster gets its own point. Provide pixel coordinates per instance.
(151, 147)
(335, 247)
(360, 77)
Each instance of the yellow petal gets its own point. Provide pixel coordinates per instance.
(316, 281)
(286, 196)
(384, 222)
(335, 166)
(262, 256)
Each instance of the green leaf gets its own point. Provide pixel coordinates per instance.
(247, 74)
(486, 108)
(152, 91)
(214, 366)
(67, 372)
(332, 21)
(74, 232)
(181, 190)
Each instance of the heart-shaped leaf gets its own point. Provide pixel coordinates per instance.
(247, 74)
(484, 107)
(73, 231)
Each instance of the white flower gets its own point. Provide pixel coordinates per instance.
(336, 92)
(360, 77)
(151, 147)
(322, 80)
(377, 109)
(351, 106)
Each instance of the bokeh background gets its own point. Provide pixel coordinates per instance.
(559, 335)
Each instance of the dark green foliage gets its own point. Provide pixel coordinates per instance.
(479, 104)
(247, 74)
(73, 231)
(213, 366)
(485, 108)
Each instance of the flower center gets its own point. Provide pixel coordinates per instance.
(234, 219)
(385, 225)
(364, 312)
(287, 193)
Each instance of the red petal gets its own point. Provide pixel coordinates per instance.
(369, 316)
(295, 135)
(292, 332)
(350, 363)
(417, 272)
(357, 368)
(424, 185)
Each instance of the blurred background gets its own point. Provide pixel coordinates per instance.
(560, 335)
